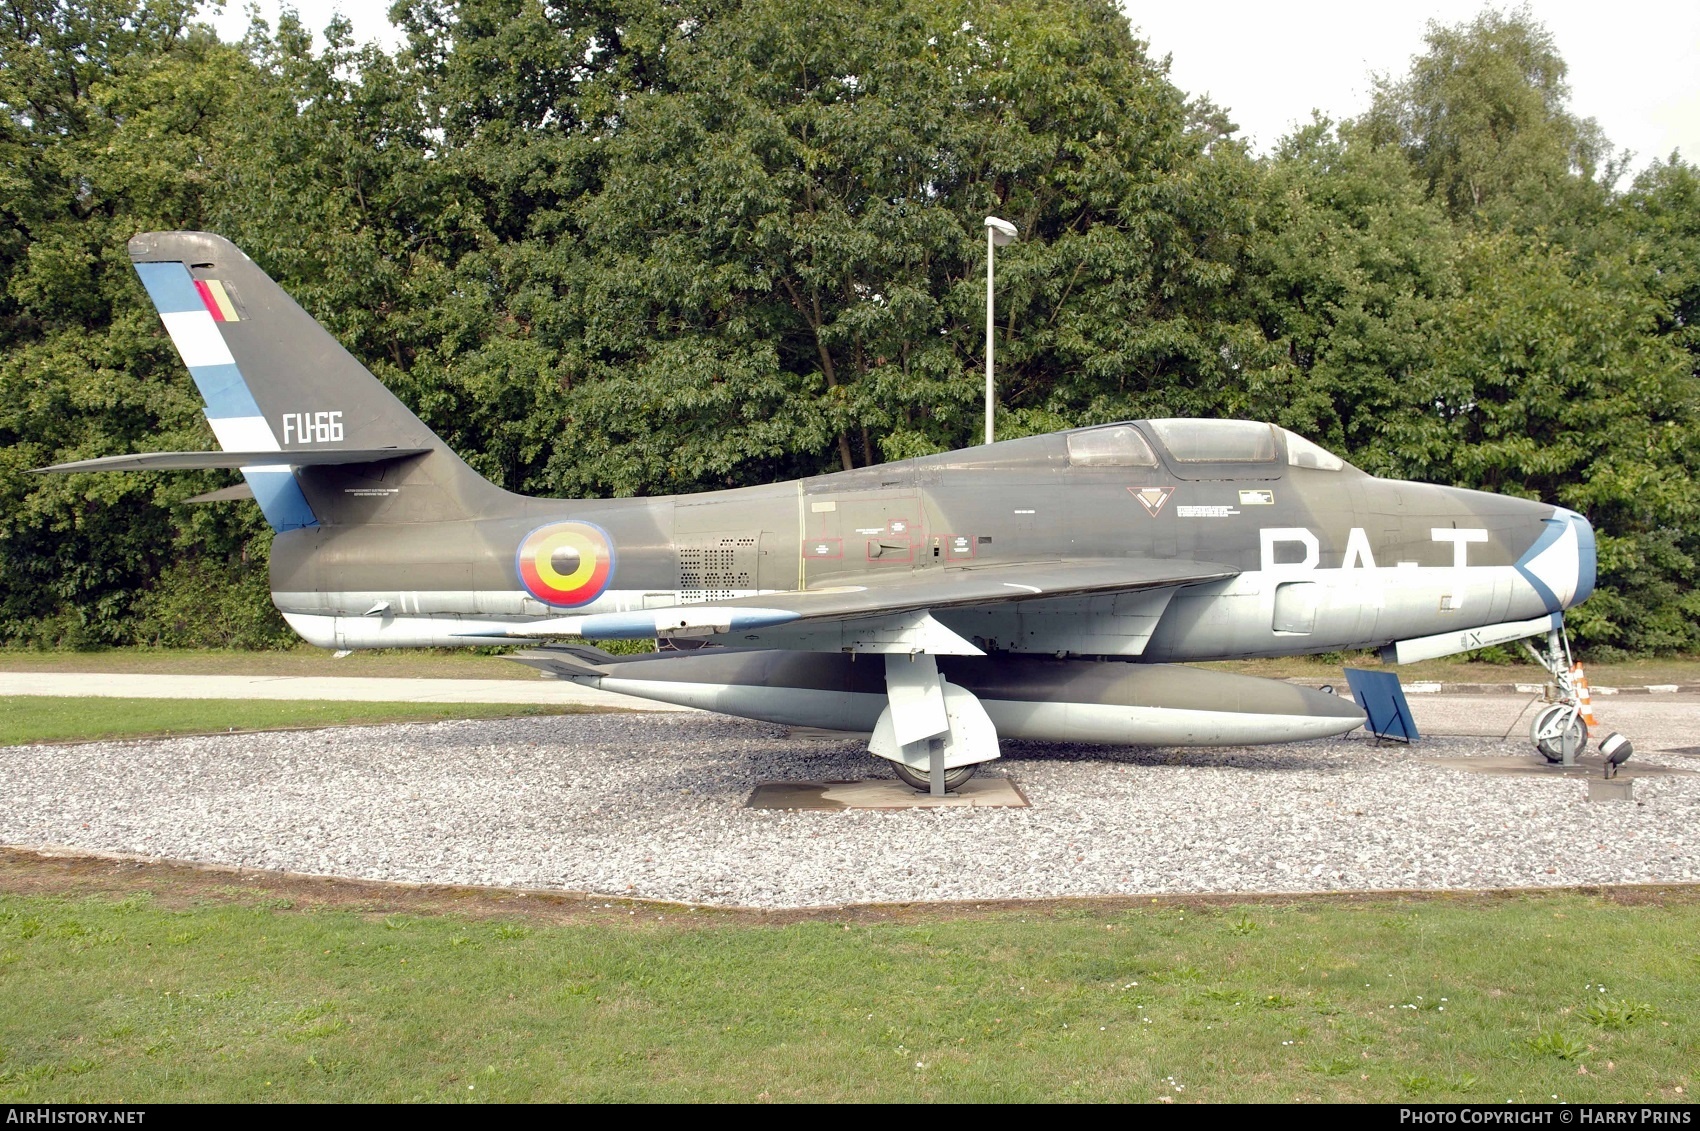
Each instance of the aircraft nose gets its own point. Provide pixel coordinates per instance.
(1586, 557)
(1561, 562)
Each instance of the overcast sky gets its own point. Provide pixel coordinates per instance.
(1634, 64)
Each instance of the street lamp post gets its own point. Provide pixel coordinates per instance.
(998, 234)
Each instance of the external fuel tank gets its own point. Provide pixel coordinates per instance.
(1026, 697)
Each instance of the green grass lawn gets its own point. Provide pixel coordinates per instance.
(45, 718)
(222, 992)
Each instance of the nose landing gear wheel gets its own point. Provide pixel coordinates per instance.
(1561, 723)
(918, 779)
(1549, 728)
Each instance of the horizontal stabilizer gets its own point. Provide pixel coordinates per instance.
(566, 661)
(200, 461)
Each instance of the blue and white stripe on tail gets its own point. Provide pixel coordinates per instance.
(192, 315)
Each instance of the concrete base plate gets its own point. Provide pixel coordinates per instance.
(985, 791)
(1611, 789)
(1589, 766)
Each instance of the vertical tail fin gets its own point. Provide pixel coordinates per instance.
(273, 379)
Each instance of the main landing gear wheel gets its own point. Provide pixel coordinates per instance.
(1548, 731)
(954, 778)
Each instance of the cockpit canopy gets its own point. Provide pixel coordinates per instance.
(1118, 445)
(1192, 441)
(1302, 453)
(1217, 441)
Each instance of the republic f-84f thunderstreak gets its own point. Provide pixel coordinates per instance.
(1046, 587)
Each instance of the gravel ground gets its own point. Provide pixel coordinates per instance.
(652, 806)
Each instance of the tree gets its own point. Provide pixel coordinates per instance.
(1348, 275)
(110, 115)
(1550, 382)
(778, 254)
(1482, 117)
(1662, 214)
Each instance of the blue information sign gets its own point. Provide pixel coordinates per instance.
(1383, 700)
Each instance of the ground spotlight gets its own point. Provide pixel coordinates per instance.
(1617, 750)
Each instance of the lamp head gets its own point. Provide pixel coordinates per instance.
(1003, 232)
(1617, 750)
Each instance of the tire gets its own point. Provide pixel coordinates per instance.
(1547, 731)
(954, 778)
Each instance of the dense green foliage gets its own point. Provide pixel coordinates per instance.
(634, 246)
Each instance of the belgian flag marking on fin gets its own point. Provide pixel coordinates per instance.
(217, 300)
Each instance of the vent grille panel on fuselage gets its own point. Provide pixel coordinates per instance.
(717, 569)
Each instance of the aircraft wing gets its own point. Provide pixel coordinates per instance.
(902, 603)
(195, 461)
(987, 584)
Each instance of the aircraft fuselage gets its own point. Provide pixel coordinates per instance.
(1327, 559)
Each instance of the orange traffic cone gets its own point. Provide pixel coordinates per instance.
(1584, 696)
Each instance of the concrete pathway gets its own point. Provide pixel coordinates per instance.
(363, 689)
(1651, 722)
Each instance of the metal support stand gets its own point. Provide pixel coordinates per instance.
(935, 766)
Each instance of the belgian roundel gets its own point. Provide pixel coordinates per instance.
(566, 564)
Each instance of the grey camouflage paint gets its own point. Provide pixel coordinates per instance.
(1094, 543)
(426, 536)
